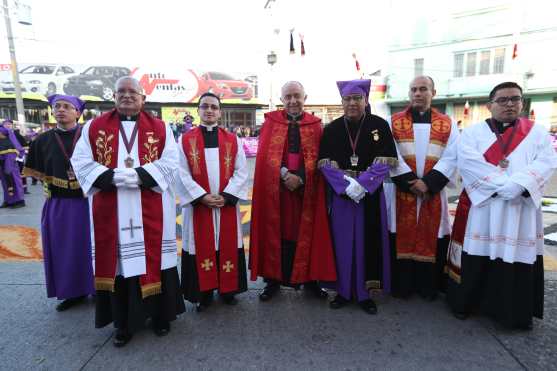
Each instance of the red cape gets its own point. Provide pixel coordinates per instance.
(314, 258)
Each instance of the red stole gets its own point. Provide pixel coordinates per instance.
(104, 137)
(212, 274)
(493, 155)
(417, 240)
(314, 258)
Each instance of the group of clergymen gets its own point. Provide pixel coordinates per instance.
(356, 207)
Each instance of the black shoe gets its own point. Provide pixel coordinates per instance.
(26, 192)
(429, 297)
(526, 327)
(460, 315)
(314, 289)
(269, 291)
(121, 338)
(17, 205)
(4, 205)
(68, 303)
(229, 299)
(369, 306)
(338, 302)
(205, 302)
(161, 328)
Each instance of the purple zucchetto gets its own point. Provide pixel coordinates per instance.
(354, 87)
(75, 101)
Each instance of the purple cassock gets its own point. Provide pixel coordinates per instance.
(362, 149)
(10, 175)
(348, 226)
(65, 226)
(67, 247)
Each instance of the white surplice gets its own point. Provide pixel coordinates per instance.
(188, 190)
(131, 246)
(508, 229)
(445, 165)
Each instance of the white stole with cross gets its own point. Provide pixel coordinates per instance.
(131, 242)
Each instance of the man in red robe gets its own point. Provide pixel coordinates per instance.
(290, 242)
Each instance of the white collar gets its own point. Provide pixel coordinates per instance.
(209, 127)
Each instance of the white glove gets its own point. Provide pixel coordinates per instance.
(510, 190)
(354, 190)
(126, 177)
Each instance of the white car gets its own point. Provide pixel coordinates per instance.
(46, 79)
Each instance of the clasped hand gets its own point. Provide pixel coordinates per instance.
(126, 177)
(213, 201)
(354, 190)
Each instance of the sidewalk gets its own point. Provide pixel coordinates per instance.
(292, 331)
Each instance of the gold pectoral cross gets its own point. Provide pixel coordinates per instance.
(228, 267)
(207, 265)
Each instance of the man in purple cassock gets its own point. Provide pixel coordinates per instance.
(65, 229)
(356, 153)
(10, 150)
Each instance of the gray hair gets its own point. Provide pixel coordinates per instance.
(133, 80)
(297, 83)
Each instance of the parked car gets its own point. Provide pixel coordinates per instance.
(225, 86)
(96, 80)
(46, 79)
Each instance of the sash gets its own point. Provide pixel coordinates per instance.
(212, 274)
(493, 155)
(104, 136)
(417, 239)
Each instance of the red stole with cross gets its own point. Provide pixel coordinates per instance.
(104, 138)
(493, 155)
(417, 239)
(212, 274)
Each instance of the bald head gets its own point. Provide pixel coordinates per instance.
(421, 93)
(128, 81)
(293, 97)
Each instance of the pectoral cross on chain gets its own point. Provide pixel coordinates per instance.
(130, 228)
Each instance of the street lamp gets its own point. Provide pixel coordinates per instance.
(271, 59)
(15, 73)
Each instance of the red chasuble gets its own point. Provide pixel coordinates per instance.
(418, 240)
(104, 137)
(493, 155)
(314, 259)
(212, 274)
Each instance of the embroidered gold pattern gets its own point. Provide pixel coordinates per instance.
(104, 149)
(152, 150)
(194, 156)
(228, 160)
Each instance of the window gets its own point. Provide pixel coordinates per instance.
(418, 66)
(458, 65)
(499, 61)
(471, 64)
(485, 59)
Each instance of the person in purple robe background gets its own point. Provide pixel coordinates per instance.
(10, 175)
(355, 155)
(66, 236)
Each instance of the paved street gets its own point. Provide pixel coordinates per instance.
(292, 331)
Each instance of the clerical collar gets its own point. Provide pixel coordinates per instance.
(208, 127)
(421, 117)
(60, 128)
(129, 117)
(294, 118)
(502, 126)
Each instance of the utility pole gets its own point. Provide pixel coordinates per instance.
(15, 73)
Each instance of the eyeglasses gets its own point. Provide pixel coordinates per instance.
(502, 101)
(214, 107)
(355, 98)
(131, 93)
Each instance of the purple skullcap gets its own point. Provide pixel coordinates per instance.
(354, 87)
(75, 101)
